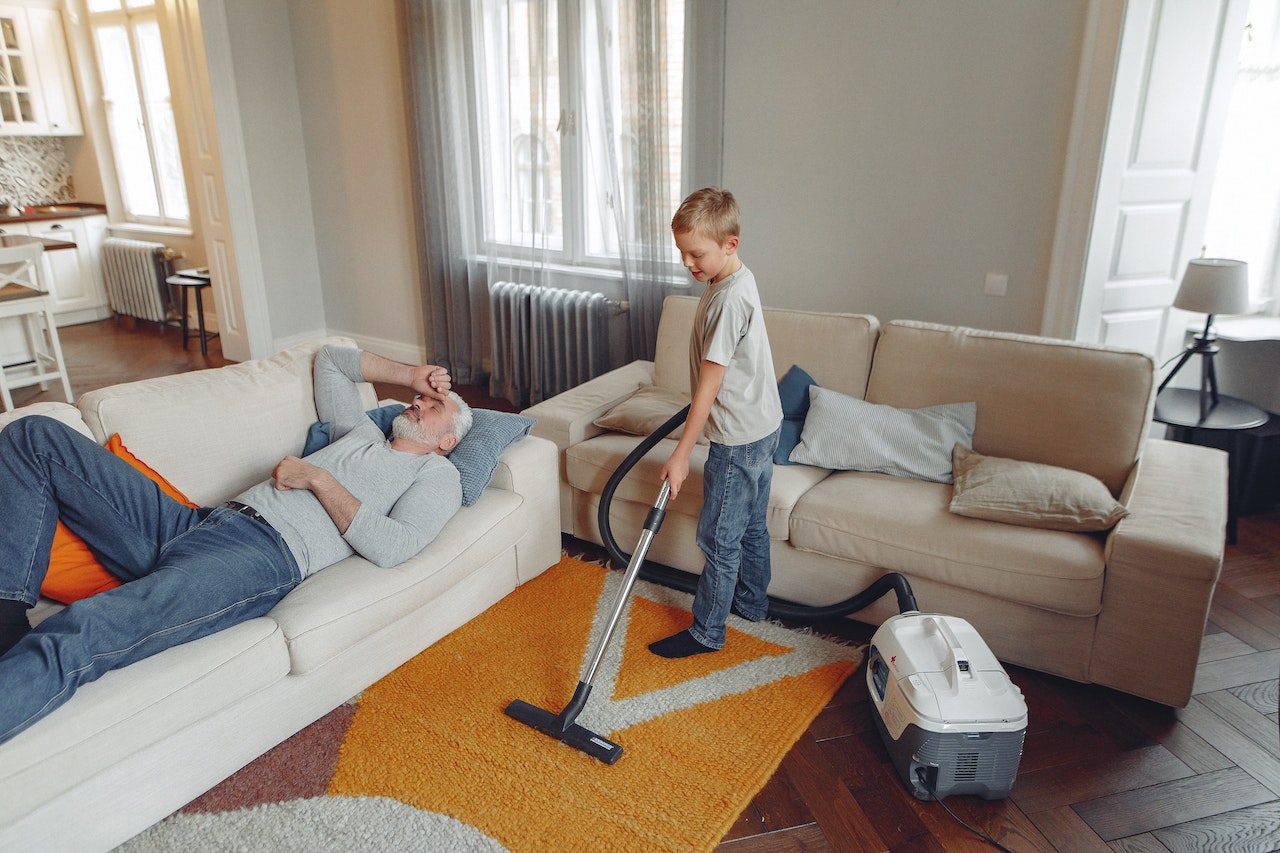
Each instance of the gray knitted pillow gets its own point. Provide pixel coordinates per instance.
(848, 434)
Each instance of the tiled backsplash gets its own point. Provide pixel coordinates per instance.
(34, 170)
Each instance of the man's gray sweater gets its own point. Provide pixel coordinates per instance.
(405, 499)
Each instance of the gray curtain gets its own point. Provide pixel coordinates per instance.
(625, 127)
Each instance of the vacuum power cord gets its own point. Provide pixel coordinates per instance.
(925, 783)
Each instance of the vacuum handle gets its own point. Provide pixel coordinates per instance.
(615, 479)
(957, 658)
(652, 523)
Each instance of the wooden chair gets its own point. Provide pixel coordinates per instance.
(22, 295)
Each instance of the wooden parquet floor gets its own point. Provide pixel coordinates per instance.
(1100, 771)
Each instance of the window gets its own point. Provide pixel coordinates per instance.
(1244, 211)
(139, 111)
(558, 92)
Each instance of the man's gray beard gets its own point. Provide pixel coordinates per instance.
(402, 427)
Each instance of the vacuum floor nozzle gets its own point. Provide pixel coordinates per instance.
(562, 728)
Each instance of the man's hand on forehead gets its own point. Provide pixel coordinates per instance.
(432, 381)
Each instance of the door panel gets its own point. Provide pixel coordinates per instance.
(1172, 82)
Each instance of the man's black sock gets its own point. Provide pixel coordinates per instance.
(13, 623)
(680, 645)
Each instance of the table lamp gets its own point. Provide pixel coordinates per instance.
(1209, 286)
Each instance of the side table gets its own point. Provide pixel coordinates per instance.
(188, 282)
(1179, 410)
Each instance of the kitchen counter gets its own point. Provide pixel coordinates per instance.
(40, 213)
(50, 245)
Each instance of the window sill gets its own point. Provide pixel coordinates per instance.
(607, 281)
(135, 230)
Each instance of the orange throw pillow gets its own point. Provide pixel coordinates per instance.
(74, 573)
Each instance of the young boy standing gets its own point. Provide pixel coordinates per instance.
(735, 398)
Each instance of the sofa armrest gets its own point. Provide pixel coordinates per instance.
(528, 468)
(567, 418)
(1163, 562)
(64, 412)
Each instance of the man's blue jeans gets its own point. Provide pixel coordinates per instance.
(187, 572)
(733, 537)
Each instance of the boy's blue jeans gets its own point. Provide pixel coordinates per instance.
(188, 572)
(733, 537)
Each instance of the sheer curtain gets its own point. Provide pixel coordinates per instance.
(1244, 211)
(441, 142)
(551, 143)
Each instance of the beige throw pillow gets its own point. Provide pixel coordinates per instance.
(645, 411)
(1030, 494)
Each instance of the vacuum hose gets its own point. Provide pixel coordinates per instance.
(685, 582)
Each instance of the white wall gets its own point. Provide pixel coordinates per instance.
(352, 96)
(275, 148)
(887, 156)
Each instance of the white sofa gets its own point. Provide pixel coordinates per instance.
(130, 748)
(1125, 609)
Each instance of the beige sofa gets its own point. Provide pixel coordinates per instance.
(142, 741)
(1124, 608)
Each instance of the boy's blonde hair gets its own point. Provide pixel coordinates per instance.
(710, 212)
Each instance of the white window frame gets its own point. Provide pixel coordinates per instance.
(572, 254)
(130, 16)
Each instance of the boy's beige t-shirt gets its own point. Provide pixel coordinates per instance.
(728, 329)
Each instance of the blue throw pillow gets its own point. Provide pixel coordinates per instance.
(475, 457)
(794, 391)
(318, 435)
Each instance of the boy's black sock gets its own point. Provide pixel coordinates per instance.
(680, 645)
(13, 623)
(743, 614)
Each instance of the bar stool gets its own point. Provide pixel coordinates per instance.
(188, 283)
(22, 295)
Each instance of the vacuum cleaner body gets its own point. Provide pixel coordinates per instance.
(951, 719)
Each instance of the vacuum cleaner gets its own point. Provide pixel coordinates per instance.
(950, 718)
(948, 714)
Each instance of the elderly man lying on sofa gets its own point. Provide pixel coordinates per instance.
(190, 572)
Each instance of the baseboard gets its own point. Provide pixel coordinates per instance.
(400, 351)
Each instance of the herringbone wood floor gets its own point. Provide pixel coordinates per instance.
(1100, 770)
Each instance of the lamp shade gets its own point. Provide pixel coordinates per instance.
(1214, 286)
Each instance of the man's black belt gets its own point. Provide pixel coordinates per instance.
(245, 509)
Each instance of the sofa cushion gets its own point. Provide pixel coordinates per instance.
(129, 709)
(179, 423)
(1074, 405)
(645, 411)
(74, 572)
(793, 390)
(476, 456)
(1031, 494)
(589, 464)
(848, 434)
(904, 525)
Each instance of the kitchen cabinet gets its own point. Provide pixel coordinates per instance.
(73, 276)
(37, 87)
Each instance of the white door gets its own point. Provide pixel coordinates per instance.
(1172, 82)
(235, 324)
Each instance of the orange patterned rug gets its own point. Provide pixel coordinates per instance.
(426, 758)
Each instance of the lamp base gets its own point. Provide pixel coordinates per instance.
(1206, 346)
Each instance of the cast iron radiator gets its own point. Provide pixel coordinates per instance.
(135, 272)
(545, 340)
